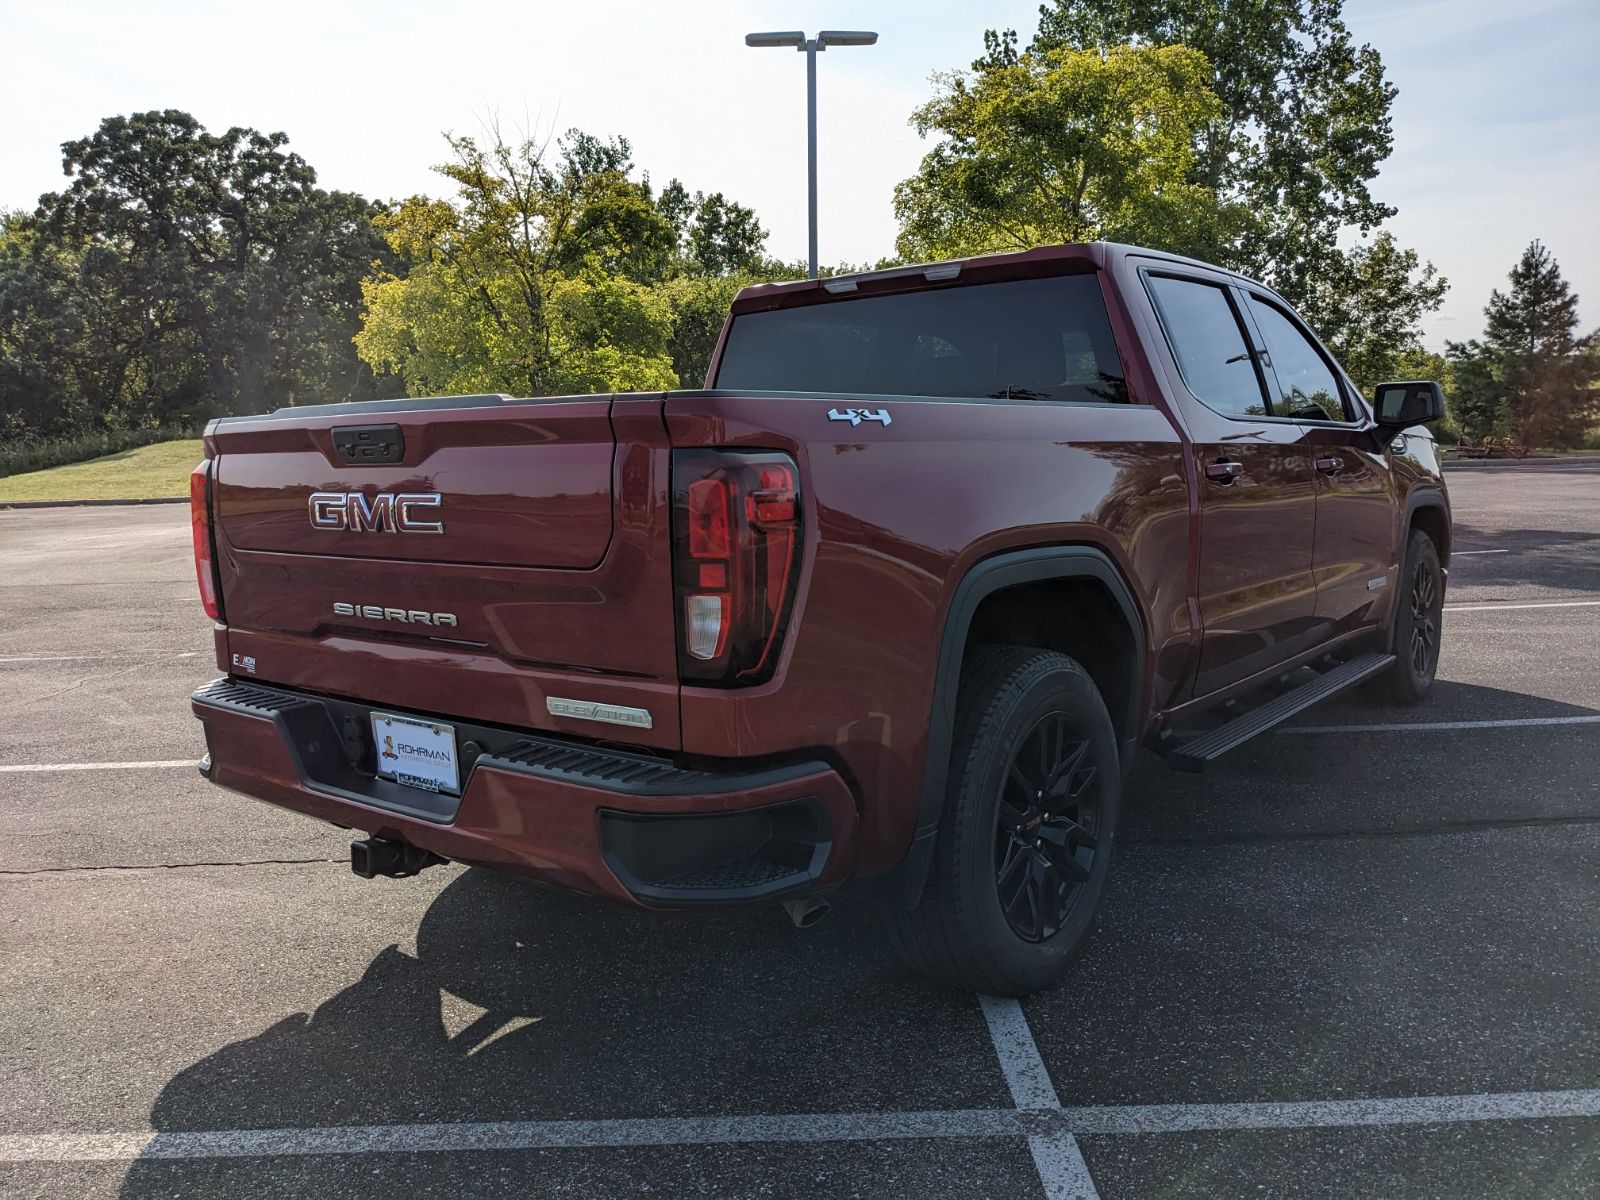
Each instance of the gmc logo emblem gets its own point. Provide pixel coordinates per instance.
(387, 512)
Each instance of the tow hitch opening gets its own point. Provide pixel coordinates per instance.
(376, 856)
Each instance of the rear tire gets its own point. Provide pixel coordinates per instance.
(1417, 624)
(1025, 837)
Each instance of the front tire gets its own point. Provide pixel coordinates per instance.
(1024, 841)
(1417, 625)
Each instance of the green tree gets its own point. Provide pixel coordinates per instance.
(1303, 129)
(699, 306)
(723, 237)
(37, 392)
(1305, 111)
(535, 280)
(1531, 376)
(714, 235)
(720, 249)
(554, 271)
(1480, 403)
(236, 278)
(1062, 145)
(85, 345)
(1369, 303)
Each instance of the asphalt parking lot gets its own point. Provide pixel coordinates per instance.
(1359, 956)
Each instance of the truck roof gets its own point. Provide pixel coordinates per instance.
(1015, 264)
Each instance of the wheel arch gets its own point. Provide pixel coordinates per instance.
(1427, 510)
(989, 582)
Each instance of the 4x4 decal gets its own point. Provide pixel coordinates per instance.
(857, 415)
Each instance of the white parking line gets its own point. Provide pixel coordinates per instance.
(806, 1127)
(21, 658)
(1459, 553)
(512, 1135)
(1526, 468)
(1061, 1168)
(105, 657)
(1411, 726)
(1335, 1114)
(152, 765)
(1056, 1156)
(1504, 607)
(1020, 1062)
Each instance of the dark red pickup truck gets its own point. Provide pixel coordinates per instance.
(890, 603)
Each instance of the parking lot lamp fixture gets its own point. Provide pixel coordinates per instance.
(811, 47)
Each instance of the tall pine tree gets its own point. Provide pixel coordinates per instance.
(1531, 377)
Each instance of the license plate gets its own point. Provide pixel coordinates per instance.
(419, 753)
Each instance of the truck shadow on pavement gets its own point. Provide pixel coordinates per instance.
(525, 1004)
(1353, 780)
(1552, 558)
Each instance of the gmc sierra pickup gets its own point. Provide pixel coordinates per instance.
(890, 603)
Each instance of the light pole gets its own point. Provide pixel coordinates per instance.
(811, 47)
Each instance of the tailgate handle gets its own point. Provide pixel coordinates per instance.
(369, 445)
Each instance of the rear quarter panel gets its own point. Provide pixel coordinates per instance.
(895, 516)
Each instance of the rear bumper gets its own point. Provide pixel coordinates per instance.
(591, 819)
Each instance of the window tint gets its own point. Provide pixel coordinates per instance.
(1209, 345)
(1306, 382)
(1033, 339)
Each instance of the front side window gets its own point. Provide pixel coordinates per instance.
(1030, 339)
(1209, 344)
(1307, 386)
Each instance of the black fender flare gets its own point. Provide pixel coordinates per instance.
(903, 885)
(1420, 497)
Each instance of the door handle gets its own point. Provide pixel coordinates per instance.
(1223, 471)
(1331, 465)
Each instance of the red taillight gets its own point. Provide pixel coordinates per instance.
(200, 525)
(736, 543)
(708, 518)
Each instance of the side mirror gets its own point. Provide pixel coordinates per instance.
(1401, 405)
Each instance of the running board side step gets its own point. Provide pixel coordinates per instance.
(1196, 752)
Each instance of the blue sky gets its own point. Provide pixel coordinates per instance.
(1497, 126)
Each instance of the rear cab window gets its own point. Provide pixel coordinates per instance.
(1043, 339)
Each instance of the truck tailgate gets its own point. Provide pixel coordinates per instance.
(521, 485)
(512, 552)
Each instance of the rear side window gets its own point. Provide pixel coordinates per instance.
(1307, 386)
(1209, 344)
(1032, 339)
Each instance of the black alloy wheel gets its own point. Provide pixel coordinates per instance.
(1045, 827)
(1424, 646)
